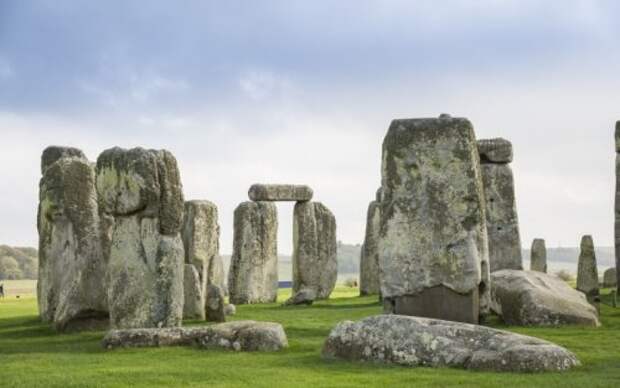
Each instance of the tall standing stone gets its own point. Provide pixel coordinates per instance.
(315, 265)
(201, 233)
(71, 287)
(501, 207)
(538, 256)
(253, 273)
(193, 295)
(617, 206)
(140, 197)
(587, 273)
(433, 248)
(369, 258)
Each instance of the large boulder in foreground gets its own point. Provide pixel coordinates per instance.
(141, 200)
(237, 336)
(253, 274)
(414, 341)
(71, 285)
(433, 247)
(315, 265)
(532, 298)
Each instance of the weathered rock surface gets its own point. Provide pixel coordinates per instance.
(501, 208)
(609, 278)
(201, 234)
(587, 272)
(194, 302)
(369, 259)
(263, 192)
(433, 229)
(238, 336)
(215, 304)
(496, 150)
(230, 309)
(253, 274)
(532, 298)
(538, 256)
(140, 196)
(413, 341)
(71, 287)
(315, 266)
(617, 205)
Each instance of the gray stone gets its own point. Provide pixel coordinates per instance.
(140, 196)
(305, 296)
(253, 274)
(53, 153)
(496, 150)
(413, 342)
(215, 304)
(532, 298)
(587, 272)
(230, 309)
(433, 227)
(194, 302)
(538, 256)
(263, 192)
(369, 258)
(315, 265)
(609, 278)
(238, 336)
(71, 287)
(501, 217)
(379, 195)
(201, 233)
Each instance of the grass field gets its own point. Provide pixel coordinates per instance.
(33, 355)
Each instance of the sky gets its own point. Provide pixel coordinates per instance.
(304, 91)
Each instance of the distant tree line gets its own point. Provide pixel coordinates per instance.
(18, 263)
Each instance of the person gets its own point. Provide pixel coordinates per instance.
(1, 290)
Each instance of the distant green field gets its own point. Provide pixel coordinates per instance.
(33, 355)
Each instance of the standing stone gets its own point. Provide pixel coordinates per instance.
(609, 278)
(369, 260)
(215, 304)
(315, 265)
(433, 248)
(194, 301)
(261, 192)
(201, 233)
(253, 274)
(617, 206)
(538, 256)
(501, 207)
(140, 196)
(71, 288)
(587, 273)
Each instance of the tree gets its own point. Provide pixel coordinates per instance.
(9, 268)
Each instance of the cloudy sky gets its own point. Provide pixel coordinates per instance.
(304, 91)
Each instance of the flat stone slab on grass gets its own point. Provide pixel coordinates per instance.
(262, 192)
(414, 341)
(532, 298)
(245, 336)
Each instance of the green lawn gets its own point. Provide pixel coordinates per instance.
(33, 355)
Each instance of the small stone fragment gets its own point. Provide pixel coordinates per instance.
(230, 309)
(263, 192)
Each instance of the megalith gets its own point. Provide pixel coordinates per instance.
(140, 196)
(587, 272)
(538, 256)
(194, 294)
(369, 257)
(315, 266)
(253, 274)
(71, 286)
(501, 208)
(215, 307)
(200, 233)
(433, 247)
(609, 278)
(278, 192)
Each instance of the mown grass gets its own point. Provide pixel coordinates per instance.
(31, 354)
